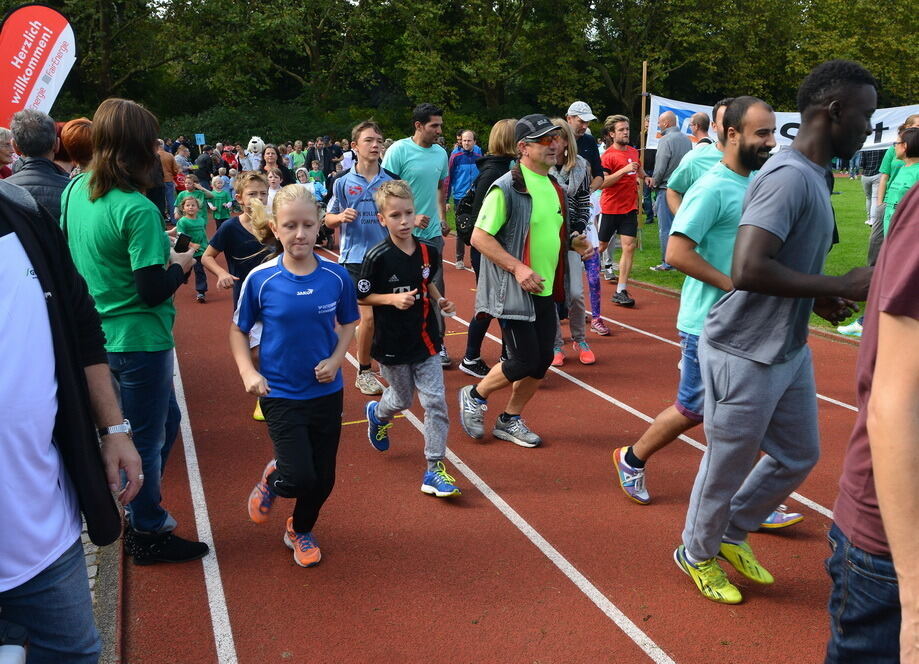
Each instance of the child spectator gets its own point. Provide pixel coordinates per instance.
(397, 280)
(194, 190)
(232, 173)
(221, 200)
(195, 226)
(316, 173)
(299, 383)
(275, 177)
(222, 172)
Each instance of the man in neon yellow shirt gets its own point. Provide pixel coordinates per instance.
(522, 234)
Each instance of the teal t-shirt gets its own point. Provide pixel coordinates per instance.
(545, 224)
(905, 179)
(424, 169)
(709, 216)
(196, 229)
(202, 202)
(890, 165)
(298, 159)
(219, 201)
(109, 239)
(693, 165)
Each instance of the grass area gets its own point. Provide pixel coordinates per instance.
(852, 250)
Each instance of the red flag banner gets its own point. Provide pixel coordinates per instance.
(37, 51)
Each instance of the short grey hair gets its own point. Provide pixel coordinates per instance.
(5, 134)
(33, 132)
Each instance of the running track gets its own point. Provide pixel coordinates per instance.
(542, 559)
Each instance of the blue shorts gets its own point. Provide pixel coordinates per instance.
(690, 396)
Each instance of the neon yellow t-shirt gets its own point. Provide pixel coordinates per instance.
(545, 223)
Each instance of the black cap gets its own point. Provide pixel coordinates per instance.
(533, 126)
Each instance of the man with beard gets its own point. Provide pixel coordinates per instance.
(701, 246)
(755, 363)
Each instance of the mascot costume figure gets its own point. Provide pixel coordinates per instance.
(252, 161)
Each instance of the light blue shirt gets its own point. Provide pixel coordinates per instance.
(424, 169)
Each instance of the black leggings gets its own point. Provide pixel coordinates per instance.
(305, 434)
(529, 343)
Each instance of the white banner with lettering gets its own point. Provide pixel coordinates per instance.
(885, 122)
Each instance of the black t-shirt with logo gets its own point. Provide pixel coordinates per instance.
(401, 336)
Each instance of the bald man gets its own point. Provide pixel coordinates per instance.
(699, 124)
(671, 147)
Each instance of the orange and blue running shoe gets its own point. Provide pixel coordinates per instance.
(261, 499)
(306, 551)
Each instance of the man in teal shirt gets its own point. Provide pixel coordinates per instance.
(421, 162)
(702, 246)
(697, 162)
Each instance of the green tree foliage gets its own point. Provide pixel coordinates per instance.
(482, 59)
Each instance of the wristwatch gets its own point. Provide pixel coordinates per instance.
(124, 427)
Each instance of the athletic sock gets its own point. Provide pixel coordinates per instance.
(621, 287)
(467, 360)
(692, 560)
(475, 394)
(432, 464)
(731, 541)
(363, 367)
(633, 460)
(506, 417)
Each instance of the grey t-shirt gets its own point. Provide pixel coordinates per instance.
(790, 199)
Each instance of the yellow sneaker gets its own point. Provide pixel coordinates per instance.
(257, 414)
(741, 556)
(709, 578)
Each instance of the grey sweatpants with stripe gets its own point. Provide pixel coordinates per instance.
(750, 407)
(428, 379)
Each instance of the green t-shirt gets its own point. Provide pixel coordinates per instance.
(298, 159)
(890, 165)
(545, 223)
(709, 216)
(195, 228)
(424, 169)
(693, 165)
(202, 202)
(317, 176)
(219, 201)
(906, 179)
(109, 239)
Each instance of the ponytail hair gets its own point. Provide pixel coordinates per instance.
(261, 217)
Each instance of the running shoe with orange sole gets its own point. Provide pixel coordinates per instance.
(306, 551)
(261, 498)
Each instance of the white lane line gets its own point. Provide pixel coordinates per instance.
(217, 601)
(654, 651)
(817, 507)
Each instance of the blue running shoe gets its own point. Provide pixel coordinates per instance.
(439, 483)
(377, 430)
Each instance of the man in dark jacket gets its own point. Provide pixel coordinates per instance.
(35, 138)
(205, 164)
(59, 399)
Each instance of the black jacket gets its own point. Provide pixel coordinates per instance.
(76, 333)
(44, 180)
(491, 167)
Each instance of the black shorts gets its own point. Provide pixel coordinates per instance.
(354, 271)
(623, 224)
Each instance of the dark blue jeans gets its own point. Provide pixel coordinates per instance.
(56, 610)
(144, 384)
(864, 605)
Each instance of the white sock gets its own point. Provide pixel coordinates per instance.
(620, 286)
(692, 560)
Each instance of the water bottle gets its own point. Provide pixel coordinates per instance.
(13, 642)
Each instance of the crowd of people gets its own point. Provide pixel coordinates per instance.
(92, 219)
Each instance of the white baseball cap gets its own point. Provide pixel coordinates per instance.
(582, 110)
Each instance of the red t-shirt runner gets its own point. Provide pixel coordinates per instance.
(622, 197)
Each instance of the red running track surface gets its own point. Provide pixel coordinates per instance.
(577, 573)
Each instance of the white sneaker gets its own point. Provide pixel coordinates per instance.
(460, 265)
(367, 383)
(853, 329)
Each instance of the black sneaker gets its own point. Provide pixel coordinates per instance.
(474, 367)
(622, 299)
(150, 548)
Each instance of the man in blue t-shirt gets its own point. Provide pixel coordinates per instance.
(353, 210)
(463, 171)
(421, 162)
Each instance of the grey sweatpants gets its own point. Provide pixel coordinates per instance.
(428, 379)
(438, 241)
(750, 407)
(575, 301)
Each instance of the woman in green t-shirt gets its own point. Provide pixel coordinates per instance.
(118, 244)
(907, 150)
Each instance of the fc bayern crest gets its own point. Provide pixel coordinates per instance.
(363, 286)
(426, 272)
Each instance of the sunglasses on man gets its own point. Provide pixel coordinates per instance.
(546, 140)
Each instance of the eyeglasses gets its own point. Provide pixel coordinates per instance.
(545, 140)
